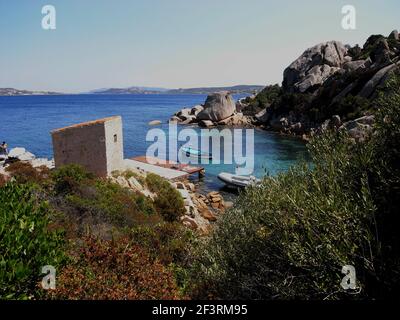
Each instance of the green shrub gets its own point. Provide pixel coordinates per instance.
(26, 243)
(264, 98)
(290, 237)
(69, 177)
(349, 108)
(110, 203)
(168, 202)
(3, 180)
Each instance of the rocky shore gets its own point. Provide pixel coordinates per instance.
(219, 109)
(202, 210)
(329, 86)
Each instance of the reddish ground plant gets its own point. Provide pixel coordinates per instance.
(114, 270)
(23, 172)
(3, 180)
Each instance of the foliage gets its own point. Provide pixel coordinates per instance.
(290, 237)
(23, 172)
(348, 108)
(117, 270)
(3, 180)
(109, 203)
(168, 201)
(263, 99)
(69, 177)
(168, 242)
(26, 242)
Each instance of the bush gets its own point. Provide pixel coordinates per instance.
(290, 237)
(168, 242)
(103, 270)
(23, 172)
(69, 177)
(3, 180)
(350, 107)
(168, 202)
(109, 203)
(264, 98)
(26, 243)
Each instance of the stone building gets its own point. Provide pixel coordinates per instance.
(96, 145)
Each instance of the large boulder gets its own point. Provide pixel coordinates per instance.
(315, 66)
(21, 153)
(218, 106)
(196, 110)
(359, 129)
(378, 79)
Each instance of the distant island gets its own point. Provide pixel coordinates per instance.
(239, 89)
(16, 92)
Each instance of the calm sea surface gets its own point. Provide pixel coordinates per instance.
(27, 121)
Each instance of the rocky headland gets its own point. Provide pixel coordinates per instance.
(330, 85)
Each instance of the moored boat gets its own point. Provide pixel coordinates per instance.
(238, 181)
(194, 153)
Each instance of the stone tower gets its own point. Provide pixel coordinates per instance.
(96, 145)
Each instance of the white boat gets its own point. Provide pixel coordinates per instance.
(194, 153)
(238, 181)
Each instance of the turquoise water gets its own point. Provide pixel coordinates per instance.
(28, 120)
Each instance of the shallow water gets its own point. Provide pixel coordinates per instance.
(28, 120)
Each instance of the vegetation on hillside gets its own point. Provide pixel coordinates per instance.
(290, 237)
(105, 241)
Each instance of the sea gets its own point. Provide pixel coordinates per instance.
(26, 121)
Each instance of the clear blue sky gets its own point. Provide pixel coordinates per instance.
(171, 43)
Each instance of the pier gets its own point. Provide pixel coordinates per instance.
(165, 168)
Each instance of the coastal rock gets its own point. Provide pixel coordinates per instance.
(189, 222)
(174, 119)
(206, 123)
(394, 35)
(360, 128)
(314, 66)
(196, 110)
(42, 162)
(354, 65)
(188, 119)
(207, 214)
(376, 80)
(218, 106)
(278, 123)
(263, 116)
(21, 154)
(381, 52)
(154, 123)
(238, 119)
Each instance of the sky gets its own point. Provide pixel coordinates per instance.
(172, 43)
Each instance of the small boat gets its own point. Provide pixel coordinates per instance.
(194, 153)
(234, 180)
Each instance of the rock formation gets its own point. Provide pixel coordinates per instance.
(218, 109)
(314, 66)
(328, 80)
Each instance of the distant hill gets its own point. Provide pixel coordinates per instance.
(130, 90)
(240, 89)
(16, 92)
(245, 89)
